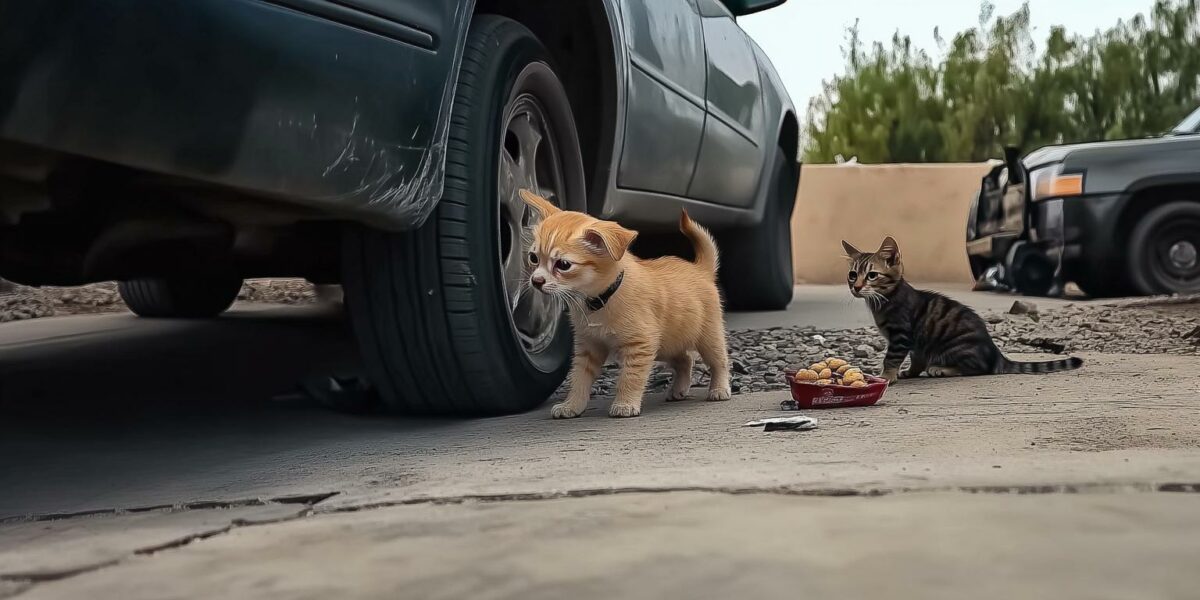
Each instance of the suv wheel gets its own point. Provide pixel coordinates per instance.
(443, 320)
(759, 273)
(192, 298)
(1164, 250)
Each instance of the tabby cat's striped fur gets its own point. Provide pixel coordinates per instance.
(944, 337)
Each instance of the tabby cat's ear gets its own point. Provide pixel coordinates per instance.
(889, 251)
(851, 251)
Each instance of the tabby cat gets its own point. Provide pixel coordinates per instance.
(946, 339)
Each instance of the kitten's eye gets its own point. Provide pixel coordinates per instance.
(533, 258)
(562, 265)
(852, 275)
(872, 275)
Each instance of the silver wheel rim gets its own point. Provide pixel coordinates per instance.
(528, 159)
(1183, 255)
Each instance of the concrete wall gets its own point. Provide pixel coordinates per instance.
(923, 206)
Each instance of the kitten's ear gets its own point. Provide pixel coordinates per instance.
(608, 238)
(543, 206)
(851, 251)
(889, 251)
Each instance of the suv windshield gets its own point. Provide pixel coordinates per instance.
(1190, 123)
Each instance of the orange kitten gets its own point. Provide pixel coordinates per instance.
(643, 310)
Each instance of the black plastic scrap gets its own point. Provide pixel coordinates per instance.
(796, 423)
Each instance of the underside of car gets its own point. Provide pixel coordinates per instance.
(238, 153)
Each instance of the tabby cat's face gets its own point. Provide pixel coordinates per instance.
(874, 274)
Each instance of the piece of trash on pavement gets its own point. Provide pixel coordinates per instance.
(796, 423)
(343, 393)
(1022, 307)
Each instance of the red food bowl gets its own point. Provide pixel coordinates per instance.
(811, 395)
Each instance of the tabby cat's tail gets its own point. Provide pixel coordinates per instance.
(1048, 366)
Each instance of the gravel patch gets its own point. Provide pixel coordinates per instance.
(22, 302)
(1147, 326)
(278, 291)
(32, 303)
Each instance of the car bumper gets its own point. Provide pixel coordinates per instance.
(276, 100)
(1082, 232)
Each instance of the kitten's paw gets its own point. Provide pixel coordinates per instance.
(719, 394)
(890, 376)
(943, 372)
(621, 410)
(677, 395)
(564, 410)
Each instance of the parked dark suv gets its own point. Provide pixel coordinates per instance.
(1116, 218)
(180, 146)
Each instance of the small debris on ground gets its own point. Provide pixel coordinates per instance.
(1022, 307)
(342, 393)
(796, 423)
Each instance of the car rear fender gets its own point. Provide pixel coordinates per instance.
(305, 102)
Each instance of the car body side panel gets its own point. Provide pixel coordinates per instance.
(660, 212)
(734, 90)
(425, 15)
(307, 107)
(661, 139)
(664, 38)
(1121, 166)
(728, 168)
(664, 116)
(731, 153)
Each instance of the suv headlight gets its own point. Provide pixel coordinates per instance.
(1050, 182)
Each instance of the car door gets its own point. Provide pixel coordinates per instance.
(666, 87)
(733, 144)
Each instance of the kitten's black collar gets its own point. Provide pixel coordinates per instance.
(596, 303)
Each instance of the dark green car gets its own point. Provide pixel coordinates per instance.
(1117, 217)
(180, 146)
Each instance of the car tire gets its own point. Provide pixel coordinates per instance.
(433, 308)
(1164, 250)
(757, 261)
(1029, 270)
(188, 298)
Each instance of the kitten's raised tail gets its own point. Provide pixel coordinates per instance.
(1048, 366)
(702, 241)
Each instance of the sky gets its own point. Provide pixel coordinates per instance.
(805, 44)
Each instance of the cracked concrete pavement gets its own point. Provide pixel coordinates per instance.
(183, 481)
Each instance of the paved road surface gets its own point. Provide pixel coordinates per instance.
(115, 411)
(1077, 482)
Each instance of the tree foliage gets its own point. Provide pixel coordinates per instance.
(995, 87)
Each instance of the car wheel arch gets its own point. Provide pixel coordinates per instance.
(599, 61)
(789, 142)
(1143, 198)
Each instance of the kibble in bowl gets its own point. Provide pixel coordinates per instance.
(853, 376)
(832, 371)
(806, 375)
